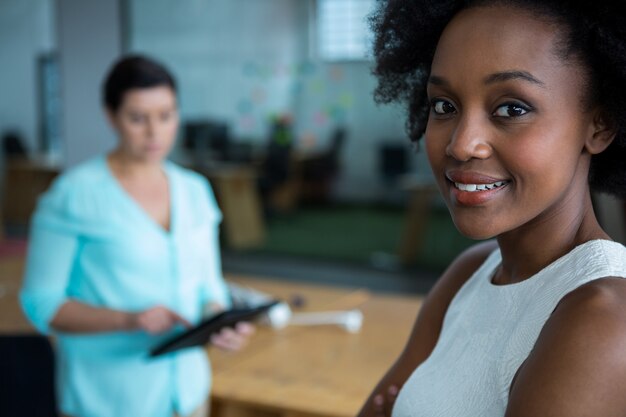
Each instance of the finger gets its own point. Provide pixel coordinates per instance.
(245, 328)
(180, 319)
(228, 339)
(390, 398)
(216, 307)
(158, 325)
(145, 323)
(223, 343)
(379, 404)
(173, 317)
(159, 320)
(234, 339)
(241, 337)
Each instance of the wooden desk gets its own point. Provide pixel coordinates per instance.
(12, 319)
(236, 192)
(24, 181)
(417, 217)
(312, 371)
(294, 372)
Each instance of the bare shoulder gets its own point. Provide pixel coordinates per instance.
(578, 364)
(429, 322)
(428, 325)
(462, 268)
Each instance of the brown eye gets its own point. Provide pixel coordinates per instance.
(511, 110)
(442, 107)
(136, 118)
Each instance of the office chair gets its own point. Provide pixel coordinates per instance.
(27, 377)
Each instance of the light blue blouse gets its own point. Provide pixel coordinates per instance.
(91, 242)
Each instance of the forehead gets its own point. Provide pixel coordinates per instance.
(496, 38)
(150, 97)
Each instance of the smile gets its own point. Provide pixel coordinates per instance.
(479, 187)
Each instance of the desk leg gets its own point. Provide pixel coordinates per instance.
(416, 222)
(244, 225)
(228, 409)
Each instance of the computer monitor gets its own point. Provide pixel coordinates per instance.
(207, 136)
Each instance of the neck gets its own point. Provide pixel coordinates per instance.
(124, 166)
(529, 249)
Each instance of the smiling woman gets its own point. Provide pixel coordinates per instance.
(520, 106)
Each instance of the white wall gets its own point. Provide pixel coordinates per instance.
(26, 31)
(223, 54)
(244, 60)
(238, 60)
(86, 34)
(341, 94)
(90, 39)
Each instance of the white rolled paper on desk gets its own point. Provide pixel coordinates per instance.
(281, 314)
(350, 320)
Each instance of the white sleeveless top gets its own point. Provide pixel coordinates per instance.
(489, 330)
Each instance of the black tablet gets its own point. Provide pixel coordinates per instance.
(201, 334)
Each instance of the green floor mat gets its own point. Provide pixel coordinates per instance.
(361, 234)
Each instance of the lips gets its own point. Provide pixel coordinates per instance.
(153, 148)
(478, 187)
(472, 188)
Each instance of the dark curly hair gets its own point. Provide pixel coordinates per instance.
(407, 33)
(130, 72)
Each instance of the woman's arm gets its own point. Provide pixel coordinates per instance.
(52, 247)
(426, 329)
(578, 365)
(54, 244)
(77, 317)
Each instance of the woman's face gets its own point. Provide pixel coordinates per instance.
(146, 123)
(507, 125)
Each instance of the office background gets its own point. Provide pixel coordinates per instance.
(241, 66)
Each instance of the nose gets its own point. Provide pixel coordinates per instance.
(470, 139)
(151, 127)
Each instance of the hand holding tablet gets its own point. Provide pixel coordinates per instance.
(201, 334)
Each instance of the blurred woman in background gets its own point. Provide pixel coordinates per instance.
(124, 249)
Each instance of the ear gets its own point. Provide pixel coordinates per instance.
(602, 134)
(111, 117)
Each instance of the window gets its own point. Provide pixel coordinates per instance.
(343, 32)
(49, 104)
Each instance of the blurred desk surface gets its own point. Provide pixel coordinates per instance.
(235, 188)
(312, 371)
(422, 195)
(12, 319)
(24, 181)
(319, 371)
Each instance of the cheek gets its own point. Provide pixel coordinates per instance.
(131, 133)
(528, 160)
(435, 145)
(169, 127)
(543, 160)
(547, 169)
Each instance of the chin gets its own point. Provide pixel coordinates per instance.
(153, 157)
(475, 230)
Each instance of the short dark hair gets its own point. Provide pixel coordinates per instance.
(131, 72)
(407, 33)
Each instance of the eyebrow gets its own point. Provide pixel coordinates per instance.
(512, 75)
(436, 80)
(497, 77)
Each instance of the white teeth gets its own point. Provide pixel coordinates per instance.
(478, 187)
